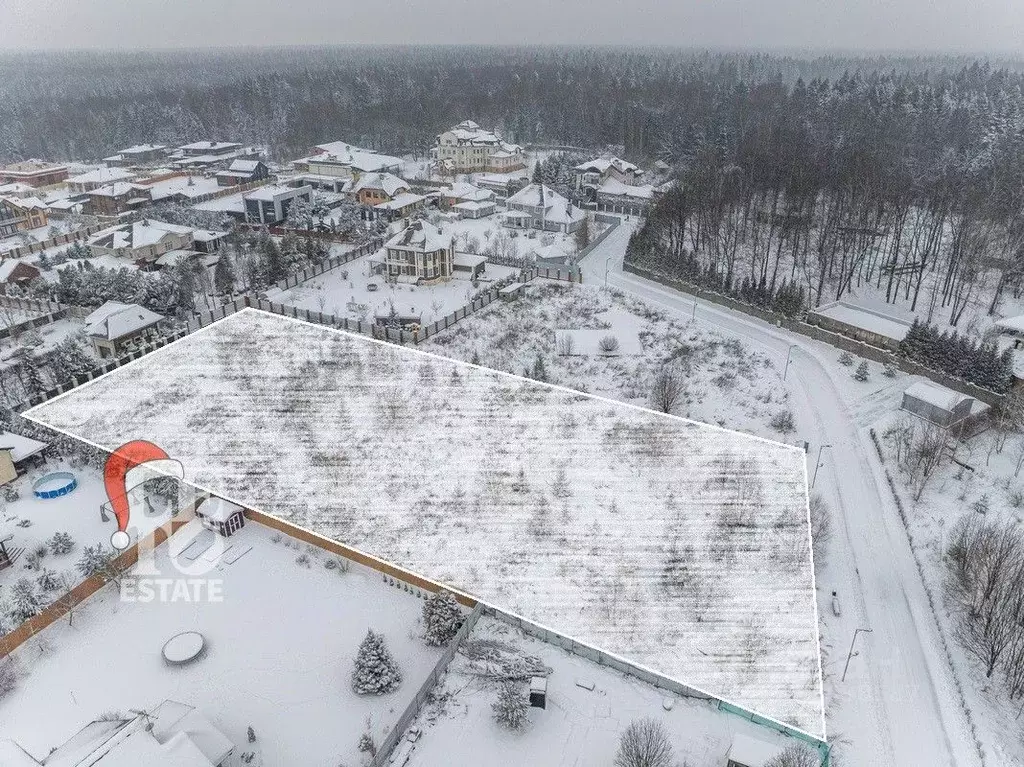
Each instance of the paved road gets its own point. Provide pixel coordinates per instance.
(898, 705)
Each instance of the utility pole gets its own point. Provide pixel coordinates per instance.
(852, 653)
(789, 356)
(817, 464)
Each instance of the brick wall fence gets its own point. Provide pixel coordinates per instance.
(60, 239)
(859, 348)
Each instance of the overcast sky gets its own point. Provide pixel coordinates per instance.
(919, 25)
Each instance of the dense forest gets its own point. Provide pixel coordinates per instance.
(801, 179)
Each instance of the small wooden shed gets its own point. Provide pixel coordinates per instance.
(221, 516)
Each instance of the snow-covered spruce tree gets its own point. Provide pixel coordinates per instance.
(61, 543)
(376, 671)
(644, 743)
(224, 274)
(510, 707)
(846, 359)
(441, 618)
(862, 371)
(25, 601)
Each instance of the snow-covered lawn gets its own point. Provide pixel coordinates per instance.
(55, 226)
(33, 521)
(677, 545)
(344, 292)
(581, 725)
(280, 649)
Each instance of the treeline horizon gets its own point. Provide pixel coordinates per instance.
(85, 105)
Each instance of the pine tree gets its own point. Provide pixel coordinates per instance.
(510, 708)
(441, 618)
(376, 671)
(862, 371)
(224, 274)
(25, 602)
(273, 261)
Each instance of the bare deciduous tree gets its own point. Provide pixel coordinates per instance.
(644, 743)
(667, 389)
(795, 756)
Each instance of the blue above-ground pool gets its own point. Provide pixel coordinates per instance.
(55, 484)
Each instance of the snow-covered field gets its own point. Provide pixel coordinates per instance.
(726, 382)
(580, 725)
(280, 647)
(676, 545)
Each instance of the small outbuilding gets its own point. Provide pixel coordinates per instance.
(221, 516)
(16, 453)
(937, 404)
(539, 692)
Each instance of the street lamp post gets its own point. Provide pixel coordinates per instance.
(789, 356)
(817, 464)
(606, 262)
(852, 653)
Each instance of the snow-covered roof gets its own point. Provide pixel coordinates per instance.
(13, 755)
(115, 320)
(471, 260)
(401, 201)
(142, 148)
(16, 187)
(1011, 324)
(865, 319)
(243, 166)
(463, 190)
(468, 132)
(119, 189)
(389, 183)
(101, 176)
(936, 395)
(354, 157)
(421, 236)
(209, 146)
(273, 192)
(615, 187)
(138, 234)
(474, 206)
(7, 269)
(751, 752)
(603, 163)
(21, 447)
(557, 209)
(26, 203)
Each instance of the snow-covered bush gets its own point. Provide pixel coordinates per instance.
(8, 676)
(376, 671)
(61, 543)
(48, 580)
(441, 618)
(862, 371)
(11, 493)
(796, 755)
(889, 370)
(821, 527)
(25, 601)
(846, 359)
(782, 422)
(511, 706)
(644, 743)
(608, 344)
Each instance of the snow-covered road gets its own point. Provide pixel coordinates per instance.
(898, 704)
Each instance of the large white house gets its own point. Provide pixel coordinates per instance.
(538, 206)
(420, 252)
(142, 241)
(468, 148)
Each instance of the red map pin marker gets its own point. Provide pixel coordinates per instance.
(119, 465)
